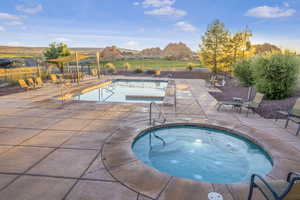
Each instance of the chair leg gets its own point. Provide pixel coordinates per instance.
(287, 123)
(219, 107)
(298, 130)
(251, 191)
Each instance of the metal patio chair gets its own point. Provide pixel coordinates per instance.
(292, 115)
(288, 189)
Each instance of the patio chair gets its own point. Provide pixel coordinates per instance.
(94, 72)
(254, 104)
(24, 85)
(292, 115)
(56, 80)
(235, 103)
(212, 81)
(39, 81)
(288, 189)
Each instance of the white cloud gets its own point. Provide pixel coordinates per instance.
(132, 45)
(167, 11)
(30, 10)
(185, 26)
(270, 12)
(136, 3)
(286, 4)
(14, 43)
(2, 29)
(158, 3)
(6, 16)
(61, 39)
(14, 23)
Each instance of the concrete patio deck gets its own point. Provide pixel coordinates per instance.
(79, 150)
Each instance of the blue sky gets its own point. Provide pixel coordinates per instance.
(139, 24)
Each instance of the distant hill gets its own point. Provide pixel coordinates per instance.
(35, 51)
(265, 48)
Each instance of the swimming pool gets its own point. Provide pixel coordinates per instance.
(201, 154)
(137, 91)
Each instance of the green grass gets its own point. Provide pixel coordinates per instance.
(154, 63)
(15, 56)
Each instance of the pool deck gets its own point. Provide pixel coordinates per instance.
(81, 150)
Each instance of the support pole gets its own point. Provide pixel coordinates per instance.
(98, 64)
(77, 66)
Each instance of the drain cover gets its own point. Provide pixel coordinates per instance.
(214, 196)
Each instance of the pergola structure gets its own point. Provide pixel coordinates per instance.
(76, 58)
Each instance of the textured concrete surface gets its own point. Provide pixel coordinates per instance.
(79, 150)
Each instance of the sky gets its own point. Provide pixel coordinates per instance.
(139, 24)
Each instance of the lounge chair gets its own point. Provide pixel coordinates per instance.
(32, 83)
(54, 78)
(39, 81)
(254, 104)
(288, 189)
(24, 85)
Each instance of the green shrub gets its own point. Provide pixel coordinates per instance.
(151, 71)
(190, 66)
(276, 75)
(243, 72)
(127, 66)
(110, 68)
(138, 71)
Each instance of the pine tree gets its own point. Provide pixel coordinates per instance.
(213, 44)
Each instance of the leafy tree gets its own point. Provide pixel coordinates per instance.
(57, 50)
(237, 47)
(213, 44)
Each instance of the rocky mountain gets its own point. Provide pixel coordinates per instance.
(177, 51)
(151, 52)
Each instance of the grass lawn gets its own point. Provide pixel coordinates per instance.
(15, 56)
(154, 63)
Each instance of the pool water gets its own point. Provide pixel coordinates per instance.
(140, 91)
(202, 154)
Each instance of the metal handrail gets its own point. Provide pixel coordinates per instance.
(61, 87)
(152, 123)
(160, 114)
(112, 93)
(173, 83)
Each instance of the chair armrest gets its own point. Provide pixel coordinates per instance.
(238, 99)
(285, 113)
(291, 175)
(264, 182)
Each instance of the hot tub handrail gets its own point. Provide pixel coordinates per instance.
(160, 114)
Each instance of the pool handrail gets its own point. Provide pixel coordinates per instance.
(161, 114)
